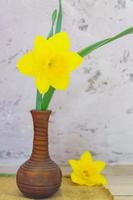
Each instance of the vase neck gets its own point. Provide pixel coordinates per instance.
(40, 143)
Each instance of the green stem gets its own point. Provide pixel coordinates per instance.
(47, 98)
(38, 101)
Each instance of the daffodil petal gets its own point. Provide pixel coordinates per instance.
(77, 179)
(39, 42)
(59, 80)
(42, 84)
(26, 64)
(99, 166)
(61, 84)
(41, 50)
(95, 179)
(99, 179)
(74, 60)
(86, 158)
(74, 165)
(89, 181)
(60, 41)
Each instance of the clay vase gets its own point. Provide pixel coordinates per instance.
(39, 177)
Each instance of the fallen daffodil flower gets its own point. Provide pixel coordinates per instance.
(86, 171)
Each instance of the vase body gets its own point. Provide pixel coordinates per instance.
(39, 177)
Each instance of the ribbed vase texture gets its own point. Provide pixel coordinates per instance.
(39, 177)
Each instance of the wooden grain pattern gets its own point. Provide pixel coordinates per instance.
(39, 177)
(121, 185)
(123, 197)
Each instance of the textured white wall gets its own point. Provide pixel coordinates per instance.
(96, 112)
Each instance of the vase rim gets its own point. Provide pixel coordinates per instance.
(40, 111)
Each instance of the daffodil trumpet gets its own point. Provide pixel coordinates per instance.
(51, 61)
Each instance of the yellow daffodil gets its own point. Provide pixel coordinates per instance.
(86, 171)
(50, 62)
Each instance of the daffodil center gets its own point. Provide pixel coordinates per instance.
(52, 63)
(86, 173)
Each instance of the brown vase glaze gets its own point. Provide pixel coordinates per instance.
(39, 177)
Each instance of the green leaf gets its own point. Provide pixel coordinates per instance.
(89, 49)
(54, 16)
(47, 98)
(38, 101)
(59, 19)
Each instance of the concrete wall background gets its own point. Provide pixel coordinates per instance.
(96, 112)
